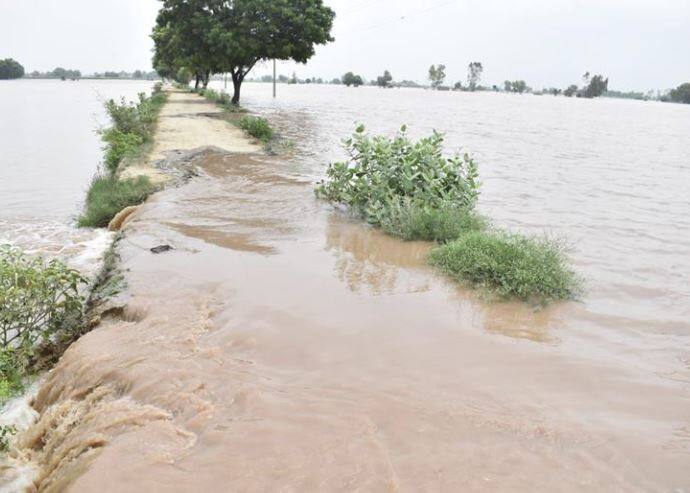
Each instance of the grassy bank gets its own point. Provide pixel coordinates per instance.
(411, 190)
(254, 126)
(128, 138)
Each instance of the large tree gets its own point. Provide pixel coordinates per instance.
(474, 75)
(681, 94)
(11, 69)
(437, 75)
(182, 38)
(250, 31)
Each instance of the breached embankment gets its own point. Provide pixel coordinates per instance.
(280, 346)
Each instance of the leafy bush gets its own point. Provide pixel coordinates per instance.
(38, 299)
(107, 196)
(447, 221)
(12, 372)
(119, 145)
(257, 127)
(133, 125)
(510, 265)
(384, 174)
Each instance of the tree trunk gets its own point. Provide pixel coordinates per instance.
(198, 80)
(237, 86)
(207, 78)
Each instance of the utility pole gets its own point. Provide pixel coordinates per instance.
(274, 78)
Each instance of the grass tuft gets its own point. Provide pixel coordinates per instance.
(442, 223)
(510, 265)
(107, 196)
(257, 127)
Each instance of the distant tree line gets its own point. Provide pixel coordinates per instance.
(10, 69)
(57, 73)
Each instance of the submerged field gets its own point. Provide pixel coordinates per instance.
(283, 343)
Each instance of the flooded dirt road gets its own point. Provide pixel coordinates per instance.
(282, 346)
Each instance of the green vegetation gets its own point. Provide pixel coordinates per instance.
(41, 308)
(132, 130)
(594, 86)
(108, 195)
(443, 223)
(10, 69)
(350, 79)
(410, 190)
(474, 75)
(437, 74)
(257, 127)
(385, 80)
(681, 94)
(510, 265)
(385, 174)
(208, 37)
(518, 86)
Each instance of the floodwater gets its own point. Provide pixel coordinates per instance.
(49, 150)
(282, 346)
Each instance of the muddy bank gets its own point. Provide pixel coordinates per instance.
(281, 346)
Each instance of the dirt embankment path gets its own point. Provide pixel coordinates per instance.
(186, 122)
(280, 346)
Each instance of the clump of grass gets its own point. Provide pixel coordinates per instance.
(445, 222)
(510, 265)
(257, 127)
(108, 195)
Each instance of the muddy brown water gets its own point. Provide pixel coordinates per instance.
(282, 346)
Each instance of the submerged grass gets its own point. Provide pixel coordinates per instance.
(108, 195)
(510, 265)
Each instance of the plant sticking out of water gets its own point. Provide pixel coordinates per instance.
(257, 127)
(42, 307)
(411, 190)
(510, 265)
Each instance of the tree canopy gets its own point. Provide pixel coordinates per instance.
(437, 74)
(350, 79)
(221, 36)
(11, 69)
(474, 75)
(681, 94)
(384, 80)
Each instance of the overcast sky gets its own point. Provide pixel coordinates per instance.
(639, 44)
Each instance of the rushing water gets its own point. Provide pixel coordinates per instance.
(282, 345)
(49, 150)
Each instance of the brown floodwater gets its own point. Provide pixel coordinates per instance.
(283, 346)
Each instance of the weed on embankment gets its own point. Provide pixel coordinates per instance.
(132, 130)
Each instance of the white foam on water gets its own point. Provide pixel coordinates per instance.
(17, 472)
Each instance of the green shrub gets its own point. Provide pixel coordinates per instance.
(107, 196)
(12, 373)
(509, 265)
(5, 433)
(257, 127)
(133, 125)
(38, 299)
(383, 173)
(411, 221)
(118, 146)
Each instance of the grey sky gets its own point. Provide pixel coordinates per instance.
(638, 44)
